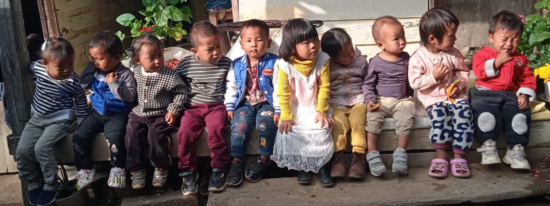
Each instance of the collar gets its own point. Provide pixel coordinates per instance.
(434, 58)
(150, 74)
(244, 60)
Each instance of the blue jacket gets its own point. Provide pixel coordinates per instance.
(236, 81)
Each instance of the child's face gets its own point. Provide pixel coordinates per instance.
(151, 58)
(346, 55)
(308, 49)
(102, 61)
(392, 39)
(254, 42)
(208, 49)
(505, 40)
(448, 40)
(59, 70)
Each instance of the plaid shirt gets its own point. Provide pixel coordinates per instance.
(253, 92)
(159, 92)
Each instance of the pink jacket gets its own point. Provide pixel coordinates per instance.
(421, 79)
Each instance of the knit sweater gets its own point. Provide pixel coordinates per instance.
(159, 92)
(346, 81)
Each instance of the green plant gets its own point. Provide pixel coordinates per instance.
(535, 40)
(160, 19)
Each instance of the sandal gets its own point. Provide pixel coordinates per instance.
(459, 165)
(439, 165)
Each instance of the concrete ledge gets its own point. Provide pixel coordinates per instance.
(166, 199)
(486, 184)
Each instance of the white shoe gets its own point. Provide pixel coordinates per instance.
(516, 158)
(117, 178)
(84, 177)
(489, 153)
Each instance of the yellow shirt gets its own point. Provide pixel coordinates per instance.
(304, 67)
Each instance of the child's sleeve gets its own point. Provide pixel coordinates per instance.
(527, 82)
(461, 72)
(483, 66)
(276, 104)
(80, 101)
(368, 83)
(324, 90)
(419, 78)
(231, 91)
(179, 91)
(283, 93)
(124, 88)
(87, 75)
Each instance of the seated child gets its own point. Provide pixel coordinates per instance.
(205, 72)
(347, 71)
(304, 140)
(57, 92)
(250, 95)
(433, 68)
(160, 98)
(114, 89)
(504, 83)
(387, 93)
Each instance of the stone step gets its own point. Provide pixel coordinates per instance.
(487, 183)
(168, 198)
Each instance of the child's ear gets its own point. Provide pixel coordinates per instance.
(269, 41)
(195, 50)
(380, 45)
(432, 40)
(44, 62)
(491, 39)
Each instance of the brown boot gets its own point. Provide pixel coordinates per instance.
(338, 168)
(358, 164)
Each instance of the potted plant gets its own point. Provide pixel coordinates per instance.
(161, 19)
(535, 44)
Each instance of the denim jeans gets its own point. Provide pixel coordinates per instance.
(247, 117)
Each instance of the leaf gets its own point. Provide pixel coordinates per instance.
(120, 35)
(149, 3)
(125, 19)
(539, 37)
(174, 13)
(172, 2)
(162, 18)
(186, 10)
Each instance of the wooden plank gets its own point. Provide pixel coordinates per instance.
(62, 5)
(43, 21)
(84, 36)
(329, 10)
(235, 10)
(81, 18)
(51, 18)
(7, 160)
(361, 30)
(373, 50)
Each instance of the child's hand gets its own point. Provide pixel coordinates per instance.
(276, 118)
(523, 102)
(170, 118)
(502, 58)
(324, 119)
(455, 92)
(440, 71)
(371, 106)
(111, 77)
(286, 126)
(230, 115)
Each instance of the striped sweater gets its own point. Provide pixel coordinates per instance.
(206, 82)
(53, 99)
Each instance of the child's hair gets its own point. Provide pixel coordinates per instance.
(294, 32)
(34, 42)
(334, 40)
(202, 29)
(255, 23)
(110, 43)
(506, 20)
(145, 39)
(380, 22)
(57, 48)
(433, 22)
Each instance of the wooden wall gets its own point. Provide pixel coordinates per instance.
(199, 6)
(355, 16)
(81, 20)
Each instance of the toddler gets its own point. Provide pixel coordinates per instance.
(433, 68)
(504, 83)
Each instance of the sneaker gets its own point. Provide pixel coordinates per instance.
(489, 153)
(217, 180)
(138, 179)
(189, 185)
(256, 171)
(516, 158)
(376, 166)
(159, 177)
(48, 194)
(236, 173)
(84, 178)
(117, 178)
(35, 189)
(399, 161)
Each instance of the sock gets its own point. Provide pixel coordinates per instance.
(265, 159)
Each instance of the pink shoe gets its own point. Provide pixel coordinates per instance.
(439, 165)
(459, 165)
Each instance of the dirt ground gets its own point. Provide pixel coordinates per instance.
(10, 194)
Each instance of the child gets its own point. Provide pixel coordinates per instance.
(387, 93)
(304, 140)
(250, 90)
(52, 113)
(504, 83)
(432, 69)
(160, 98)
(205, 73)
(347, 71)
(114, 89)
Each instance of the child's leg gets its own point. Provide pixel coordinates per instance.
(441, 131)
(192, 126)
(216, 124)
(159, 142)
(463, 135)
(487, 110)
(83, 138)
(516, 122)
(340, 128)
(375, 120)
(403, 114)
(357, 120)
(136, 135)
(242, 124)
(24, 155)
(53, 132)
(115, 130)
(267, 129)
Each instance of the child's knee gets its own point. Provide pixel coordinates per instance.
(519, 124)
(486, 122)
(42, 150)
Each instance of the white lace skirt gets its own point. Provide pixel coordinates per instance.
(308, 147)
